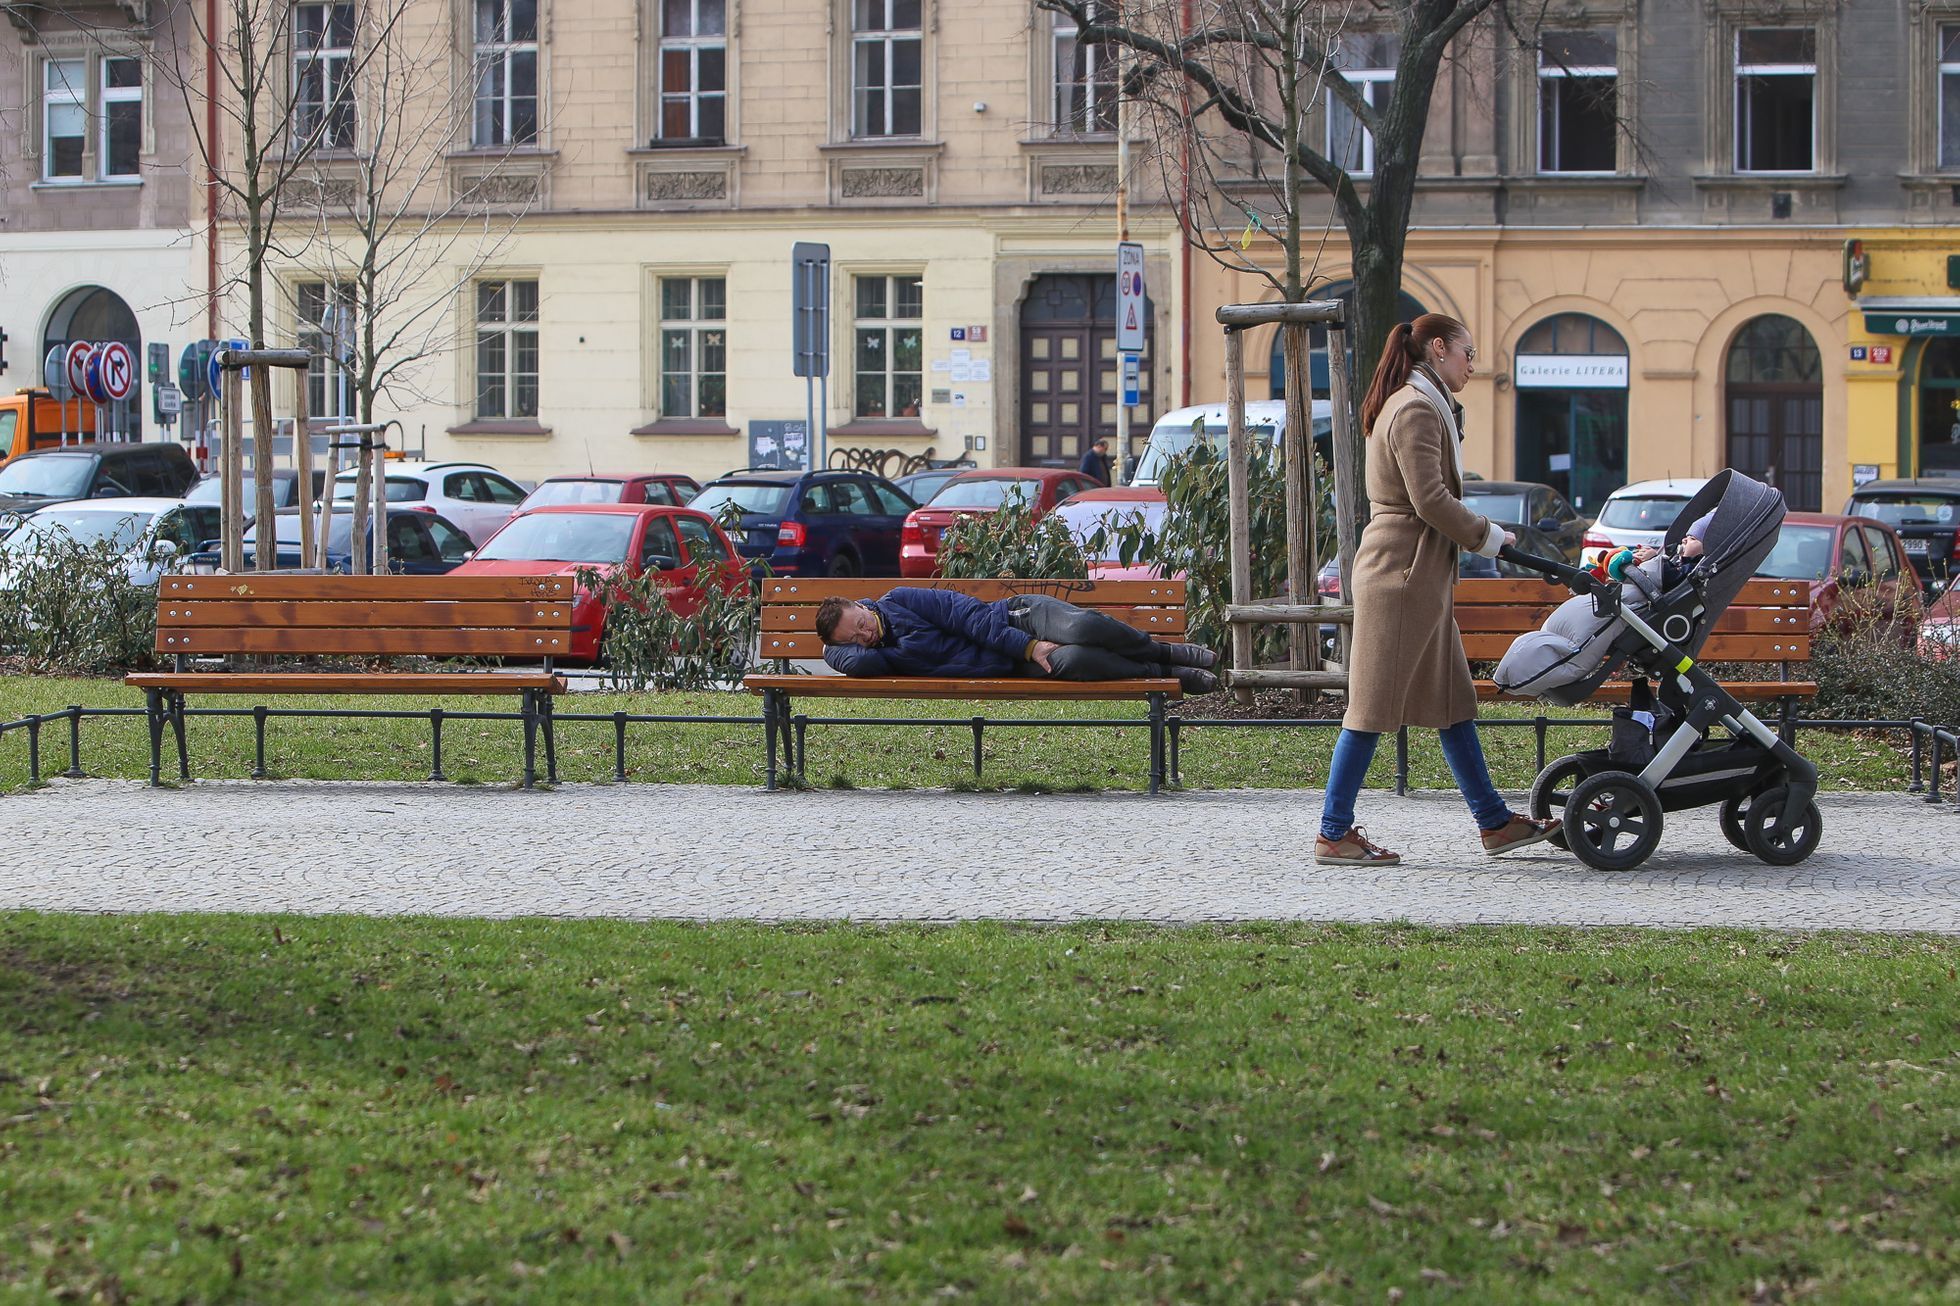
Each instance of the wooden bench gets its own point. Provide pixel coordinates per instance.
(789, 617)
(294, 616)
(1768, 624)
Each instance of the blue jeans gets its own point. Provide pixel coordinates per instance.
(1355, 749)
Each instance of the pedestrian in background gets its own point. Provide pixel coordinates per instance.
(1096, 461)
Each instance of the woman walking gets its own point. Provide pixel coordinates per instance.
(1407, 666)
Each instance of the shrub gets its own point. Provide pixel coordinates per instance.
(1011, 541)
(648, 645)
(1868, 674)
(69, 606)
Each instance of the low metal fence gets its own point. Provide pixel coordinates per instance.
(1931, 745)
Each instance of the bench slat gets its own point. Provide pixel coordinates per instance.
(386, 614)
(342, 682)
(1082, 593)
(1158, 621)
(792, 644)
(1616, 691)
(1736, 621)
(1756, 593)
(366, 588)
(935, 687)
(207, 642)
(1719, 648)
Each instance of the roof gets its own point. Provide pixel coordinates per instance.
(1120, 494)
(1919, 484)
(129, 504)
(1013, 473)
(623, 509)
(1257, 411)
(1828, 519)
(1684, 486)
(617, 476)
(762, 475)
(1505, 487)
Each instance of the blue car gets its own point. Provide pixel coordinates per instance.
(419, 543)
(829, 523)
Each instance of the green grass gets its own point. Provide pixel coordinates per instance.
(868, 756)
(281, 1109)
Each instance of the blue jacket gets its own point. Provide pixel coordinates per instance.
(935, 633)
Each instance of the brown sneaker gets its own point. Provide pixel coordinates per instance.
(1521, 832)
(1352, 849)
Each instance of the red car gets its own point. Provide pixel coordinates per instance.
(1939, 633)
(982, 490)
(686, 547)
(636, 487)
(1856, 568)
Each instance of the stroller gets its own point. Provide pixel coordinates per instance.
(1661, 758)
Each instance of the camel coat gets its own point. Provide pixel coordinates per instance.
(1408, 667)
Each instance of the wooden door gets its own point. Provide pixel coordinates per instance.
(1071, 375)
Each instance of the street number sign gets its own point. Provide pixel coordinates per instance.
(1131, 311)
(118, 370)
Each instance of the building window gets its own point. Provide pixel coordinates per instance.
(64, 118)
(693, 72)
(122, 117)
(693, 347)
(1950, 95)
(325, 313)
(323, 52)
(890, 346)
(1367, 60)
(506, 349)
(887, 61)
(506, 73)
(1578, 120)
(1085, 81)
(1775, 99)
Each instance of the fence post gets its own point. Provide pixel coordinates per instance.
(435, 746)
(619, 747)
(1933, 784)
(1402, 762)
(258, 735)
(979, 728)
(1538, 728)
(74, 771)
(34, 750)
(1913, 728)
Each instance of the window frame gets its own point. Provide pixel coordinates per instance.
(511, 326)
(1060, 124)
(107, 95)
(1939, 24)
(325, 368)
(1364, 80)
(889, 324)
(505, 49)
(337, 94)
(694, 327)
(1738, 134)
(889, 38)
(1556, 72)
(694, 44)
(78, 98)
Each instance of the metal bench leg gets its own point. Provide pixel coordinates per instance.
(530, 739)
(153, 706)
(1156, 743)
(177, 727)
(550, 737)
(769, 736)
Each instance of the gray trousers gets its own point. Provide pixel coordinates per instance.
(1093, 646)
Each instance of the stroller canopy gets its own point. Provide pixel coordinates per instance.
(1740, 534)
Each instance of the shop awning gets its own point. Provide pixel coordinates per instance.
(1913, 315)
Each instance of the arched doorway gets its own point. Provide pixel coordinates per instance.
(1407, 309)
(1939, 408)
(1773, 393)
(1571, 373)
(98, 315)
(1071, 377)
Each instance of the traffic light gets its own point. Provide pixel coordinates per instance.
(3, 352)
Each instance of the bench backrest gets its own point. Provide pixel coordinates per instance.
(789, 606)
(434, 615)
(1768, 622)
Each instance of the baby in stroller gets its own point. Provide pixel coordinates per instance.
(1652, 614)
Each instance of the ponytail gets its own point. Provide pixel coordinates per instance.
(1406, 345)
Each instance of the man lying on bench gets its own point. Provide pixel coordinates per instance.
(927, 632)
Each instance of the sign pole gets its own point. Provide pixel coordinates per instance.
(379, 455)
(231, 459)
(1122, 239)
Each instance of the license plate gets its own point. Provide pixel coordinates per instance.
(1917, 546)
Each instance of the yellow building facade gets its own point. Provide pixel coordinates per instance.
(1904, 349)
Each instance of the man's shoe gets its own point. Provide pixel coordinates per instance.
(1519, 832)
(1194, 680)
(1352, 849)
(1188, 655)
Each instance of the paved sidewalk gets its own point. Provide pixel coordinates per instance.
(1888, 862)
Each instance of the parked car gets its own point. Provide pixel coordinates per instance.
(919, 487)
(420, 543)
(1856, 568)
(1939, 629)
(686, 548)
(1926, 515)
(1537, 505)
(669, 488)
(1265, 419)
(95, 471)
(148, 533)
(825, 523)
(1089, 511)
(471, 496)
(1637, 514)
(284, 482)
(982, 490)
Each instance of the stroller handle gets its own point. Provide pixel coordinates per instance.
(1573, 578)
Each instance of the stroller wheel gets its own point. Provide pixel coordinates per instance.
(1794, 844)
(1613, 821)
(1734, 810)
(1553, 787)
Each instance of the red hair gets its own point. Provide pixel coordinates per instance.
(1408, 344)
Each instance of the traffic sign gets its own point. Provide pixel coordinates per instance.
(1132, 381)
(54, 372)
(215, 373)
(192, 367)
(1131, 311)
(76, 362)
(159, 362)
(94, 385)
(170, 400)
(117, 369)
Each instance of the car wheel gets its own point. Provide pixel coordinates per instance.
(843, 566)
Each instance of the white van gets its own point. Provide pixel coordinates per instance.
(1175, 432)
